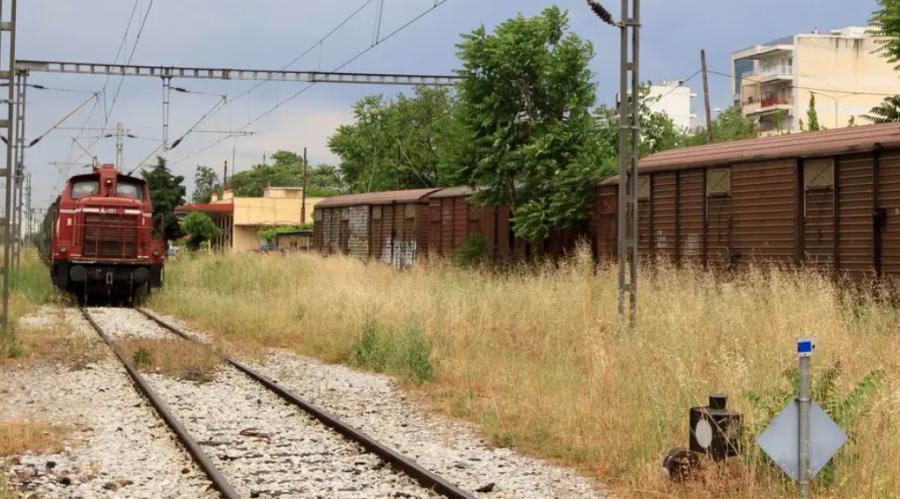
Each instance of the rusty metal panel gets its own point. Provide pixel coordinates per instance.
(818, 213)
(690, 212)
(421, 229)
(719, 231)
(358, 231)
(606, 220)
(889, 201)
(434, 226)
(664, 217)
(447, 224)
(763, 213)
(855, 234)
(460, 221)
(644, 229)
(331, 220)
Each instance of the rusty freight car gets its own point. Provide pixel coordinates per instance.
(380, 226)
(455, 217)
(829, 199)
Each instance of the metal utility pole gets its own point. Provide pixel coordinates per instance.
(8, 123)
(167, 81)
(225, 176)
(120, 146)
(19, 151)
(29, 215)
(709, 129)
(303, 192)
(629, 149)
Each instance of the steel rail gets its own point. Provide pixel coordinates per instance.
(413, 469)
(215, 476)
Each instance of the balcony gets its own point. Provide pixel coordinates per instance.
(771, 73)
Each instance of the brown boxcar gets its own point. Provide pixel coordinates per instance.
(829, 199)
(455, 217)
(385, 226)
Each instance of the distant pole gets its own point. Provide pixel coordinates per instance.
(709, 129)
(303, 193)
(225, 178)
(398, 163)
(233, 162)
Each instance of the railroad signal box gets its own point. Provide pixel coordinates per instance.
(715, 430)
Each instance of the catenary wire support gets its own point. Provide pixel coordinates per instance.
(167, 91)
(629, 108)
(7, 125)
(19, 149)
(629, 152)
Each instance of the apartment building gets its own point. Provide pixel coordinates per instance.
(774, 81)
(673, 98)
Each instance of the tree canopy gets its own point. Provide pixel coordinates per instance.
(200, 227)
(396, 143)
(286, 171)
(167, 192)
(205, 184)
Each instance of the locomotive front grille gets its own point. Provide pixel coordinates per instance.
(110, 236)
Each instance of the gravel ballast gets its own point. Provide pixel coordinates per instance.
(118, 446)
(453, 450)
(264, 446)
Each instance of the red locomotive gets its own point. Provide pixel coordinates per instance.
(97, 237)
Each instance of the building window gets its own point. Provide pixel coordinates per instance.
(410, 211)
(376, 213)
(818, 173)
(718, 182)
(643, 188)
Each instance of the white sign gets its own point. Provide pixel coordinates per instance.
(781, 440)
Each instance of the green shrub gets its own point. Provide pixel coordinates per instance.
(406, 354)
(472, 252)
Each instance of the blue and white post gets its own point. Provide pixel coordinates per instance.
(805, 349)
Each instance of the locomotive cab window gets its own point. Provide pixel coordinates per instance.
(84, 188)
(129, 190)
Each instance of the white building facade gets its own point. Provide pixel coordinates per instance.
(773, 81)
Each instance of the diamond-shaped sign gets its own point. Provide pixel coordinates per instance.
(781, 440)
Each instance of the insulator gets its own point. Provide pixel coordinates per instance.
(601, 12)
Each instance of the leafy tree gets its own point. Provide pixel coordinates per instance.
(200, 227)
(886, 112)
(396, 142)
(166, 193)
(286, 170)
(812, 116)
(729, 125)
(205, 184)
(886, 24)
(525, 95)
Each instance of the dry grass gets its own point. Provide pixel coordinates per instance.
(176, 358)
(537, 357)
(17, 438)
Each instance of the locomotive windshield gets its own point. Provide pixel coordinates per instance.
(129, 190)
(84, 188)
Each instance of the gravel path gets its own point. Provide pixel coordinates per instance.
(261, 444)
(118, 447)
(451, 449)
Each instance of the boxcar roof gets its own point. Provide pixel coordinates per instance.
(454, 192)
(798, 145)
(377, 198)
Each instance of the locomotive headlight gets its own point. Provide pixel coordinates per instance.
(155, 251)
(63, 249)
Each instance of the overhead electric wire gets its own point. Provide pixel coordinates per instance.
(304, 89)
(307, 51)
(811, 89)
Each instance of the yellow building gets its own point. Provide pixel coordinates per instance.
(241, 219)
(774, 81)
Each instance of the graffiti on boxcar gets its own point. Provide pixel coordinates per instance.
(660, 240)
(359, 231)
(400, 254)
(692, 245)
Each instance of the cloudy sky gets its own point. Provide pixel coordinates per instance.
(268, 34)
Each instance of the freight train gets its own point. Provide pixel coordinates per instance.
(98, 237)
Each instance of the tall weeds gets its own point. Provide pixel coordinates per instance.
(538, 358)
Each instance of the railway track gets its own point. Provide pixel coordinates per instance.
(257, 439)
